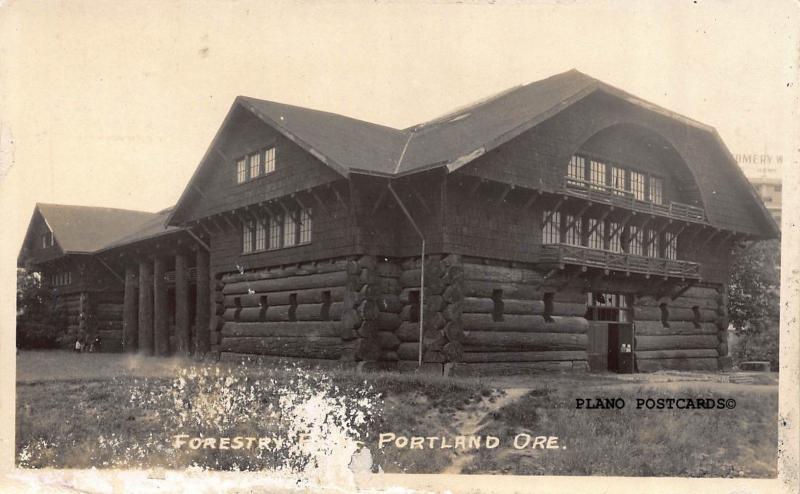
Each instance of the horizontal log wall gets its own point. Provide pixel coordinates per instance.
(317, 310)
(694, 336)
(501, 324)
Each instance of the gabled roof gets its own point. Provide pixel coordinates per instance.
(85, 229)
(151, 228)
(348, 145)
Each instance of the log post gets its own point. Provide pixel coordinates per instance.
(130, 320)
(145, 307)
(181, 304)
(160, 307)
(203, 306)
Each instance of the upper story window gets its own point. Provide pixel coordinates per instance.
(254, 161)
(614, 237)
(597, 172)
(551, 228)
(255, 165)
(269, 232)
(577, 168)
(656, 190)
(670, 245)
(618, 179)
(615, 178)
(269, 160)
(637, 185)
(241, 171)
(61, 278)
(635, 240)
(47, 240)
(596, 233)
(572, 233)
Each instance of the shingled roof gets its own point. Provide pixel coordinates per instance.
(348, 145)
(86, 229)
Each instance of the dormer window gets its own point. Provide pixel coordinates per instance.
(254, 165)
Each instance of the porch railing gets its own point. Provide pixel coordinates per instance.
(585, 256)
(607, 194)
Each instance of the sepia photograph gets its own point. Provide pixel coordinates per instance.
(399, 246)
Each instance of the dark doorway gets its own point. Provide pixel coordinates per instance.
(620, 348)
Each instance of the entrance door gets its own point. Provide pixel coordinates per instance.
(620, 348)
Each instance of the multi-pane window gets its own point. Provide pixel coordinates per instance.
(248, 228)
(275, 228)
(255, 164)
(618, 179)
(305, 226)
(551, 227)
(608, 307)
(269, 160)
(276, 231)
(637, 185)
(572, 232)
(597, 172)
(249, 167)
(596, 233)
(261, 235)
(289, 229)
(636, 240)
(241, 171)
(577, 168)
(61, 278)
(656, 190)
(614, 237)
(651, 238)
(670, 245)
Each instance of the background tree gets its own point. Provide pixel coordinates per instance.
(754, 301)
(38, 323)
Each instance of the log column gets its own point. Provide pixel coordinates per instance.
(182, 304)
(145, 307)
(130, 319)
(203, 305)
(160, 307)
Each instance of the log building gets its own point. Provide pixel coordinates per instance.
(560, 225)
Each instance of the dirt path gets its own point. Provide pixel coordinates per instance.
(470, 422)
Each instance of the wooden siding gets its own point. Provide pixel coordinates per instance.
(295, 169)
(539, 157)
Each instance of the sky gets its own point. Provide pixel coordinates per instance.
(114, 103)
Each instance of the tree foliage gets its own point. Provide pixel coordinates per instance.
(754, 301)
(38, 322)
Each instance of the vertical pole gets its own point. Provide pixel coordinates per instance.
(421, 301)
(145, 307)
(203, 315)
(130, 321)
(160, 307)
(181, 304)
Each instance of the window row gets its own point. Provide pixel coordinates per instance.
(621, 180)
(570, 229)
(255, 164)
(62, 278)
(277, 231)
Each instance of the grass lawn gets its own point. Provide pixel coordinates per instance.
(102, 410)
